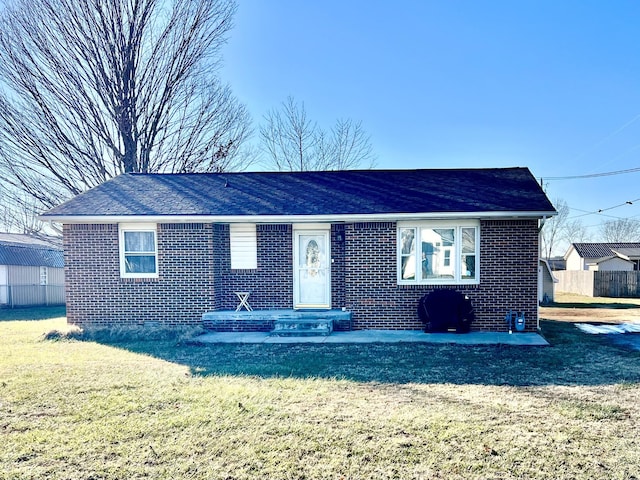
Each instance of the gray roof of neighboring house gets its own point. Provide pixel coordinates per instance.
(557, 263)
(547, 266)
(355, 192)
(632, 253)
(26, 250)
(601, 250)
(30, 256)
(598, 261)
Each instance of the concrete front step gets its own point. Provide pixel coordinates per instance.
(265, 320)
(302, 327)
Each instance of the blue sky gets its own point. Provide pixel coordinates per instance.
(550, 85)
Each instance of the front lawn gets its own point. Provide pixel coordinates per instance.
(74, 409)
(31, 313)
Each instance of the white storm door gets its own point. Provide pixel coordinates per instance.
(312, 269)
(4, 282)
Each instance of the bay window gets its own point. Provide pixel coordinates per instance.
(438, 253)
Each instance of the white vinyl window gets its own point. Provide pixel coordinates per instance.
(438, 253)
(44, 276)
(243, 246)
(138, 251)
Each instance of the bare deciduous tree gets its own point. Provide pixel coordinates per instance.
(560, 231)
(574, 231)
(289, 138)
(92, 89)
(21, 215)
(292, 142)
(622, 230)
(551, 232)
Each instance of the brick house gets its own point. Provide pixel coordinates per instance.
(168, 248)
(603, 256)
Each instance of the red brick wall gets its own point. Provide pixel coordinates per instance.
(337, 266)
(508, 277)
(97, 295)
(271, 284)
(195, 275)
(508, 272)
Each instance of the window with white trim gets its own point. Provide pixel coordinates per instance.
(44, 276)
(438, 253)
(243, 246)
(138, 251)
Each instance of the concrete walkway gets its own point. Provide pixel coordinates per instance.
(382, 336)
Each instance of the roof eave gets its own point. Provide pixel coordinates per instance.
(339, 218)
(546, 263)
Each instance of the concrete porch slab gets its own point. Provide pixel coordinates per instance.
(267, 320)
(383, 336)
(273, 315)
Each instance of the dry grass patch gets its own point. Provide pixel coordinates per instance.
(575, 300)
(570, 307)
(84, 410)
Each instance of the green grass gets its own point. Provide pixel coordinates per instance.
(31, 313)
(73, 409)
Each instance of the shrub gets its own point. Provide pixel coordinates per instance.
(127, 333)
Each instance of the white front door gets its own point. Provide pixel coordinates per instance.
(312, 269)
(4, 288)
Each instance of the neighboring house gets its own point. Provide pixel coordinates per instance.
(601, 270)
(603, 256)
(611, 264)
(167, 248)
(31, 270)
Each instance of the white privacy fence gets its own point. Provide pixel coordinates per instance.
(616, 284)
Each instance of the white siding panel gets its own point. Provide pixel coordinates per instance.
(574, 261)
(24, 275)
(56, 276)
(614, 265)
(4, 281)
(243, 245)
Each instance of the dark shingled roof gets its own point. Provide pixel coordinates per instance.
(601, 250)
(356, 192)
(30, 255)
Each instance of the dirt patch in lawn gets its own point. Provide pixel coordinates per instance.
(590, 315)
(576, 308)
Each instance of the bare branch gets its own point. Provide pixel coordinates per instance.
(621, 230)
(89, 90)
(552, 229)
(291, 142)
(574, 231)
(19, 213)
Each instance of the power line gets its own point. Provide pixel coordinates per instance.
(594, 175)
(587, 213)
(599, 211)
(597, 145)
